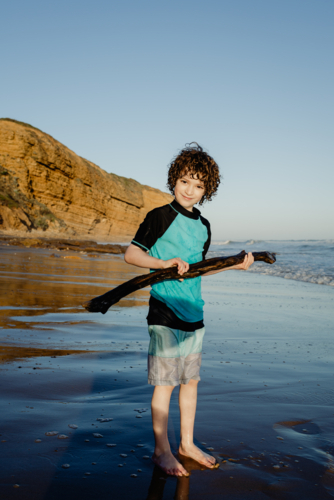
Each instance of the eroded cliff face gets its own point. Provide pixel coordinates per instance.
(44, 186)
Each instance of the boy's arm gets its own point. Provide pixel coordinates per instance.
(248, 261)
(138, 257)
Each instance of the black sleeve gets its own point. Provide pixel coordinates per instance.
(208, 241)
(149, 230)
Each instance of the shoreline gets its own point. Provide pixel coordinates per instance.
(77, 245)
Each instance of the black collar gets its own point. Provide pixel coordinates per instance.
(183, 211)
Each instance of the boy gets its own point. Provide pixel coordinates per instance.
(177, 235)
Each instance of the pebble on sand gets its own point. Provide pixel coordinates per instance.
(140, 445)
(96, 435)
(139, 416)
(66, 466)
(120, 465)
(73, 426)
(104, 419)
(139, 470)
(111, 445)
(209, 448)
(86, 440)
(146, 457)
(280, 438)
(62, 436)
(133, 475)
(52, 433)
(87, 473)
(38, 440)
(16, 485)
(123, 455)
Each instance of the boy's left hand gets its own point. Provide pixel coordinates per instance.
(247, 262)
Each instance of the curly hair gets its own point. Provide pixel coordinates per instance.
(192, 160)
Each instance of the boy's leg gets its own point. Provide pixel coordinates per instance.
(188, 402)
(163, 456)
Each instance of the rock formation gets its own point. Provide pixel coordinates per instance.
(46, 188)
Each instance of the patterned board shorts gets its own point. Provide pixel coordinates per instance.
(174, 356)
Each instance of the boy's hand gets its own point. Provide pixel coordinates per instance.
(248, 261)
(182, 266)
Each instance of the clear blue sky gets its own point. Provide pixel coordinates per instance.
(126, 84)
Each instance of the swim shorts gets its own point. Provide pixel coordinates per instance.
(174, 356)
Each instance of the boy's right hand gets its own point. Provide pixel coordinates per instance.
(182, 266)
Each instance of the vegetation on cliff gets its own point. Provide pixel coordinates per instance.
(16, 210)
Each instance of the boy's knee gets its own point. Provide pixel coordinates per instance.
(191, 383)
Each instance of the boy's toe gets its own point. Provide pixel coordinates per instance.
(182, 472)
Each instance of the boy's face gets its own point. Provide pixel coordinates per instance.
(188, 191)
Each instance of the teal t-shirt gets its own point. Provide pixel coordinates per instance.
(172, 231)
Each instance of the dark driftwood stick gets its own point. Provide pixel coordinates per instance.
(103, 302)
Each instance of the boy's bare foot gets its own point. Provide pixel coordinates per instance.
(168, 463)
(200, 456)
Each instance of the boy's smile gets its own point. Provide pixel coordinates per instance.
(188, 191)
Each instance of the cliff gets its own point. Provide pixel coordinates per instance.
(45, 188)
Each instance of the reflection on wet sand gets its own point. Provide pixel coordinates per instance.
(239, 481)
(15, 353)
(33, 283)
(159, 478)
(41, 296)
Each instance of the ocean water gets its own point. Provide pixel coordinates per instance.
(301, 260)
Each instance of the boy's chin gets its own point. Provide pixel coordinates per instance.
(188, 205)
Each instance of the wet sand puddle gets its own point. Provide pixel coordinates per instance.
(75, 403)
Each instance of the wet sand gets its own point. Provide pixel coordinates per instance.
(265, 400)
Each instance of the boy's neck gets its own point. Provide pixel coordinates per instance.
(192, 214)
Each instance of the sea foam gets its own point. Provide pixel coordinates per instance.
(301, 260)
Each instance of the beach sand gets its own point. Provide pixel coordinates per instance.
(265, 404)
